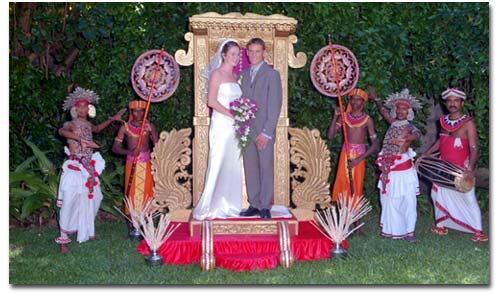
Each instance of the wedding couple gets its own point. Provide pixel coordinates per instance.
(222, 194)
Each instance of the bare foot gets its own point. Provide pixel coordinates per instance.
(411, 239)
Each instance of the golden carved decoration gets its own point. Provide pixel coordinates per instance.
(295, 61)
(201, 61)
(183, 58)
(238, 21)
(233, 228)
(200, 161)
(281, 168)
(169, 159)
(310, 155)
(243, 227)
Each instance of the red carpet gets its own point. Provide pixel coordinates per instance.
(242, 252)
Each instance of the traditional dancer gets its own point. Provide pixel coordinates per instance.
(458, 144)
(398, 182)
(359, 125)
(141, 188)
(79, 195)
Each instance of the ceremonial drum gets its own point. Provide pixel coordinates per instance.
(167, 78)
(444, 173)
(323, 75)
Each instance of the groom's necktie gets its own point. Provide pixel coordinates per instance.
(253, 72)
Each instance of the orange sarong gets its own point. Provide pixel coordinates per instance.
(358, 173)
(141, 189)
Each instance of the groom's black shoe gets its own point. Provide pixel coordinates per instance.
(251, 211)
(265, 213)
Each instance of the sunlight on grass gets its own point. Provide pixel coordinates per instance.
(329, 271)
(469, 280)
(15, 251)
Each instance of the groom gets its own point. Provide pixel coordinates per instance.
(262, 84)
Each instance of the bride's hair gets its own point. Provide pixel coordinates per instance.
(226, 48)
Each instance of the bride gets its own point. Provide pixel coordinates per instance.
(222, 195)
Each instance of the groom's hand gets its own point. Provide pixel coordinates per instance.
(261, 142)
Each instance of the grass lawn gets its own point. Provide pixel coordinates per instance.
(374, 260)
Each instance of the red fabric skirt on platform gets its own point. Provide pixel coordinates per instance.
(242, 252)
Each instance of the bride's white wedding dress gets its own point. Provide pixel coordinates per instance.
(222, 194)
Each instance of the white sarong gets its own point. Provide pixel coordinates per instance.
(78, 210)
(399, 203)
(456, 210)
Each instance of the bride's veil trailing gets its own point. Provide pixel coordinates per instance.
(215, 63)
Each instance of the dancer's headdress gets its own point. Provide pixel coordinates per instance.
(356, 92)
(403, 98)
(215, 63)
(135, 104)
(453, 92)
(79, 95)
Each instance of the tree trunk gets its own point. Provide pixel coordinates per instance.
(431, 125)
(482, 175)
(24, 23)
(68, 62)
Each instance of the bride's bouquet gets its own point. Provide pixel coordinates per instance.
(243, 110)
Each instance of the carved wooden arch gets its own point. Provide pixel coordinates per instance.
(206, 30)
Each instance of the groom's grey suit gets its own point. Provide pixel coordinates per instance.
(266, 91)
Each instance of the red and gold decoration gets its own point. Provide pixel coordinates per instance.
(356, 122)
(450, 125)
(322, 73)
(145, 67)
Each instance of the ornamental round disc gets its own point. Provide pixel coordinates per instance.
(323, 75)
(167, 78)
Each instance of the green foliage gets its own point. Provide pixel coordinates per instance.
(112, 188)
(33, 187)
(423, 46)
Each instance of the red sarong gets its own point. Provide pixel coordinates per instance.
(358, 174)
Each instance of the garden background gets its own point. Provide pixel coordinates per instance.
(52, 46)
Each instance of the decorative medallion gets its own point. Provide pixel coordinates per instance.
(322, 71)
(143, 72)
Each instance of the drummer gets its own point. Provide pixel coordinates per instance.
(398, 182)
(458, 144)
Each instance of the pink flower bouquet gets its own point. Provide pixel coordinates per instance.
(243, 110)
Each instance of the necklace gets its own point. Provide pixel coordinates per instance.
(135, 131)
(356, 121)
(453, 125)
(400, 123)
